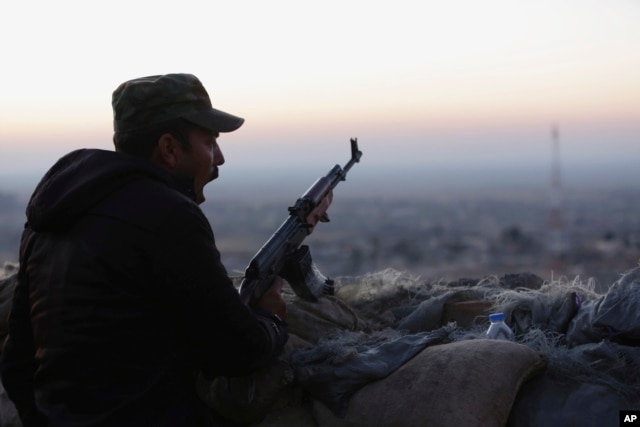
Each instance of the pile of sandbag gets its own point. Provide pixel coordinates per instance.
(575, 348)
(391, 349)
(368, 371)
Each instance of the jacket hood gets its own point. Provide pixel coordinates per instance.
(81, 179)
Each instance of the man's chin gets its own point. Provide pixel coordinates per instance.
(214, 175)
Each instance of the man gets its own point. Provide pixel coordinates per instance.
(122, 298)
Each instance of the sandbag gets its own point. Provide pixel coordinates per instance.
(544, 402)
(432, 313)
(312, 321)
(604, 376)
(332, 371)
(466, 383)
(614, 316)
(619, 312)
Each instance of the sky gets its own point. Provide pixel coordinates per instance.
(469, 87)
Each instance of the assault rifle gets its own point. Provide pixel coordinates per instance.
(282, 254)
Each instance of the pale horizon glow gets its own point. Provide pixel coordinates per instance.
(428, 83)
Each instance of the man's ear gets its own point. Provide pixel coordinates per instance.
(167, 151)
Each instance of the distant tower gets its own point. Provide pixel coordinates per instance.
(557, 242)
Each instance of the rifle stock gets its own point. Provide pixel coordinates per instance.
(282, 254)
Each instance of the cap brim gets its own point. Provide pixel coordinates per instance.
(215, 120)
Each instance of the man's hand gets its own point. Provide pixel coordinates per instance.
(272, 300)
(319, 214)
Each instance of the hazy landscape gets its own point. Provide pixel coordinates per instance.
(435, 226)
(498, 137)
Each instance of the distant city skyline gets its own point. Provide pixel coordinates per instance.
(393, 181)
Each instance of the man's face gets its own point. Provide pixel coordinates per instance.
(201, 161)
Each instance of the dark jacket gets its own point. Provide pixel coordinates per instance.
(122, 299)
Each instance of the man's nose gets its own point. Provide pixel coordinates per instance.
(218, 157)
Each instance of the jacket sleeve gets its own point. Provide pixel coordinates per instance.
(229, 337)
(17, 363)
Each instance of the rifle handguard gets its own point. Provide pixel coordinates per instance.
(304, 277)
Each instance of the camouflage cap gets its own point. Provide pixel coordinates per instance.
(145, 101)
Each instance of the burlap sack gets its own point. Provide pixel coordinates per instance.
(312, 321)
(466, 383)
